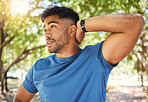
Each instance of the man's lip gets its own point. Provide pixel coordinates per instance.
(50, 39)
(49, 42)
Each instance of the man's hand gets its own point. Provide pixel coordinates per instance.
(79, 34)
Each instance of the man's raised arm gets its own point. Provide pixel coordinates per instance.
(125, 31)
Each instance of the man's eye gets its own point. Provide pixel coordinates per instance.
(53, 26)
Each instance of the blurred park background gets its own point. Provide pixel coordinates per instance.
(22, 43)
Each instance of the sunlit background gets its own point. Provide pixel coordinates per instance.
(21, 7)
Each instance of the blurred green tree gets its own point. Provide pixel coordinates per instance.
(19, 34)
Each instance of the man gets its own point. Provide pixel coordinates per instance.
(73, 74)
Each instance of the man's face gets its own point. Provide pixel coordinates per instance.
(56, 33)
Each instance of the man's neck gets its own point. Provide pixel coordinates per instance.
(68, 52)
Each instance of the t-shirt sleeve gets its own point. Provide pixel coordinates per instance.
(97, 49)
(28, 82)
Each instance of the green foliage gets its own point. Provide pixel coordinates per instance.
(24, 27)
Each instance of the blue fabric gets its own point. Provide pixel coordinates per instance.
(79, 78)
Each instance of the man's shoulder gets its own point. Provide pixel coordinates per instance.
(43, 61)
(94, 47)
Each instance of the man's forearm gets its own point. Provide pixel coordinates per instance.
(114, 23)
(127, 24)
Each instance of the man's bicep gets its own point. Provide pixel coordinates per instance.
(117, 46)
(23, 95)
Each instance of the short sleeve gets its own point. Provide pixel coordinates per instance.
(97, 50)
(28, 82)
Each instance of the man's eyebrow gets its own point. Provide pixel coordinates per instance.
(52, 22)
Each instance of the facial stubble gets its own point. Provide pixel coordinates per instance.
(60, 43)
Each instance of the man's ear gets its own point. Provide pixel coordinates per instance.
(72, 30)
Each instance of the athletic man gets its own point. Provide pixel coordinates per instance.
(73, 74)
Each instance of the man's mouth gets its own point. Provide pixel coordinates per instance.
(50, 41)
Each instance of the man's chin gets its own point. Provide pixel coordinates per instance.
(51, 51)
(54, 49)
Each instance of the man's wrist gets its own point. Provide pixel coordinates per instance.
(82, 24)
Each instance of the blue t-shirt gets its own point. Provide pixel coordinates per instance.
(79, 78)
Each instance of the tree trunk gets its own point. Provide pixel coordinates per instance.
(142, 69)
(1, 66)
(141, 75)
(4, 86)
(2, 83)
(22, 56)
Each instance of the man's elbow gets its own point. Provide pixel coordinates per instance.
(140, 21)
(138, 24)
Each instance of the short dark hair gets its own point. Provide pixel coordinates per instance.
(62, 12)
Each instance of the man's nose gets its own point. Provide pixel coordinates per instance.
(47, 35)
